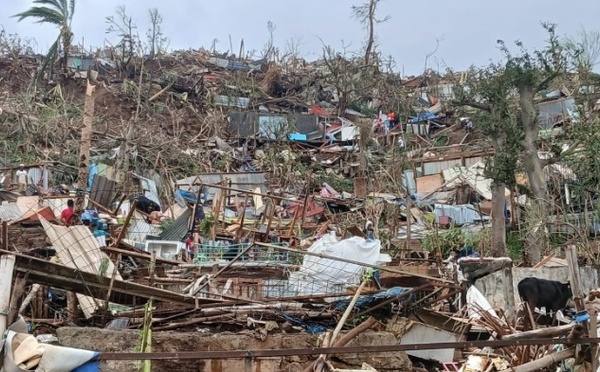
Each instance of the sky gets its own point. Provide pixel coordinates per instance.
(467, 30)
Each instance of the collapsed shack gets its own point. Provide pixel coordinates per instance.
(273, 270)
(276, 309)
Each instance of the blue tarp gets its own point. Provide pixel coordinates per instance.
(91, 366)
(423, 116)
(310, 328)
(93, 171)
(367, 301)
(187, 195)
(298, 137)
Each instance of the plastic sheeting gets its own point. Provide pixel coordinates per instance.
(477, 302)
(460, 214)
(44, 357)
(322, 275)
(367, 301)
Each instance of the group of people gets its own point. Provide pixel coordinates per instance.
(89, 218)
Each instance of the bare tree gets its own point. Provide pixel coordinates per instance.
(365, 13)
(585, 45)
(269, 49)
(123, 26)
(157, 41)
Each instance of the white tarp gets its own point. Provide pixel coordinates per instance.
(474, 297)
(24, 353)
(323, 275)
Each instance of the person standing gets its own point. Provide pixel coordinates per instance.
(22, 178)
(66, 216)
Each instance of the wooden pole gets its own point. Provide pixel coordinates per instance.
(112, 282)
(593, 332)
(5, 235)
(542, 332)
(152, 267)
(84, 150)
(125, 224)
(543, 362)
(239, 232)
(575, 277)
(7, 266)
(331, 340)
(195, 210)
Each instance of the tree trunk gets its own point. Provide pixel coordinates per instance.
(538, 209)
(498, 220)
(84, 149)
(364, 131)
(371, 26)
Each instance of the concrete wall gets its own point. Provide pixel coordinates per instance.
(127, 340)
(494, 286)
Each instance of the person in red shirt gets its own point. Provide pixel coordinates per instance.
(67, 214)
(190, 247)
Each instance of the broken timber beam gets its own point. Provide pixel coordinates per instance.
(269, 353)
(139, 255)
(59, 276)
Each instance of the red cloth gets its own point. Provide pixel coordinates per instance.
(66, 215)
(189, 243)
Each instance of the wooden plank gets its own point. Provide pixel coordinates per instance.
(575, 277)
(429, 183)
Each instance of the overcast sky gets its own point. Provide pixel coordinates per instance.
(467, 29)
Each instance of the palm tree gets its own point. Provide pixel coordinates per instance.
(60, 14)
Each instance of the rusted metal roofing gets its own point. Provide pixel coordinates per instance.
(177, 231)
(102, 191)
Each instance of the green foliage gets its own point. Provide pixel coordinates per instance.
(449, 240)
(338, 183)
(489, 90)
(514, 245)
(166, 224)
(58, 13)
(206, 224)
(103, 267)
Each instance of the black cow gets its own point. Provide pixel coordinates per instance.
(540, 293)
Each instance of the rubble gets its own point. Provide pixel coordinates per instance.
(288, 236)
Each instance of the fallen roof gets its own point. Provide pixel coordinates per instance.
(59, 276)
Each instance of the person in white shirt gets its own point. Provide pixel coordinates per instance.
(22, 178)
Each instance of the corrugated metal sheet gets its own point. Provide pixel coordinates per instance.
(469, 162)
(241, 102)
(10, 212)
(408, 180)
(139, 229)
(239, 180)
(438, 166)
(77, 248)
(177, 231)
(460, 214)
(102, 191)
(8, 196)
